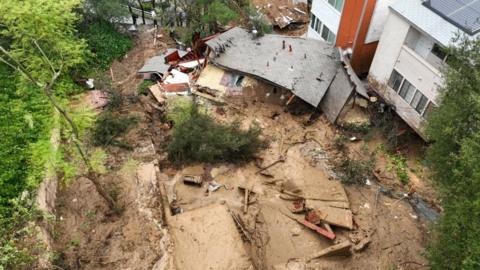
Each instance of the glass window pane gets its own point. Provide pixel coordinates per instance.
(339, 5)
(395, 80)
(332, 2)
(331, 37)
(325, 32)
(421, 104)
(318, 26)
(312, 21)
(407, 91)
(439, 51)
(416, 99)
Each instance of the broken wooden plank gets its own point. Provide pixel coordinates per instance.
(319, 230)
(157, 93)
(245, 203)
(281, 159)
(342, 248)
(333, 215)
(327, 227)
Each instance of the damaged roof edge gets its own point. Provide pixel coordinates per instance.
(306, 67)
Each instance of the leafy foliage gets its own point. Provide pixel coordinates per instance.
(25, 118)
(198, 138)
(49, 23)
(217, 12)
(454, 128)
(354, 171)
(16, 251)
(105, 9)
(105, 42)
(108, 127)
(143, 87)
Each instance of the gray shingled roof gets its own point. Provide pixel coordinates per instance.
(307, 70)
(155, 64)
(427, 21)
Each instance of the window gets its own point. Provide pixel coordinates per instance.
(439, 52)
(428, 110)
(407, 91)
(318, 26)
(312, 21)
(325, 32)
(410, 94)
(239, 80)
(331, 37)
(337, 4)
(395, 80)
(419, 102)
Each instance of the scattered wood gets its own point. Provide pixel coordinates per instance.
(332, 214)
(319, 230)
(240, 226)
(363, 244)
(312, 226)
(111, 74)
(290, 100)
(245, 202)
(157, 93)
(392, 246)
(281, 159)
(339, 249)
(327, 227)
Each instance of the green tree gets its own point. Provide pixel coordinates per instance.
(217, 13)
(105, 9)
(44, 49)
(454, 156)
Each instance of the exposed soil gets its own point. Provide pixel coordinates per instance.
(203, 235)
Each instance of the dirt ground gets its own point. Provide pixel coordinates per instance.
(166, 224)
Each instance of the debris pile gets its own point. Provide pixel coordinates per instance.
(283, 13)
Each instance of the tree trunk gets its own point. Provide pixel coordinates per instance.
(143, 11)
(91, 175)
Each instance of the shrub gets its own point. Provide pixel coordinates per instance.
(108, 127)
(143, 87)
(362, 128)
(198, 138)
(106, 43)
(353, 171)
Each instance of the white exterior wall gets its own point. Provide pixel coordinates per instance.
(378, 20)
(327, 14)
(393, 53)
(388, 50)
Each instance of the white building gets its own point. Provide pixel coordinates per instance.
(406, 69)
(325, 19)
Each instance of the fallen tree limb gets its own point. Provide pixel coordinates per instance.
(281, 159)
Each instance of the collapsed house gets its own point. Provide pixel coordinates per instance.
(307, 69)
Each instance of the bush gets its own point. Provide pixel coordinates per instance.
(454, 129)
(108, 127)
(198, 138)
(106, 43)
(361, 128)
(143, 87)
(353, 171)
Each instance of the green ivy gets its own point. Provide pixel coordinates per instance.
(105, 42)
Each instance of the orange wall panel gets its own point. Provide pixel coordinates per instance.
(362, 55)
(349, 23)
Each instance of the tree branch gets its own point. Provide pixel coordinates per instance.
(44, 56)
(18, 66)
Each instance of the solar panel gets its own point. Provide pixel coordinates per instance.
(464, 14)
